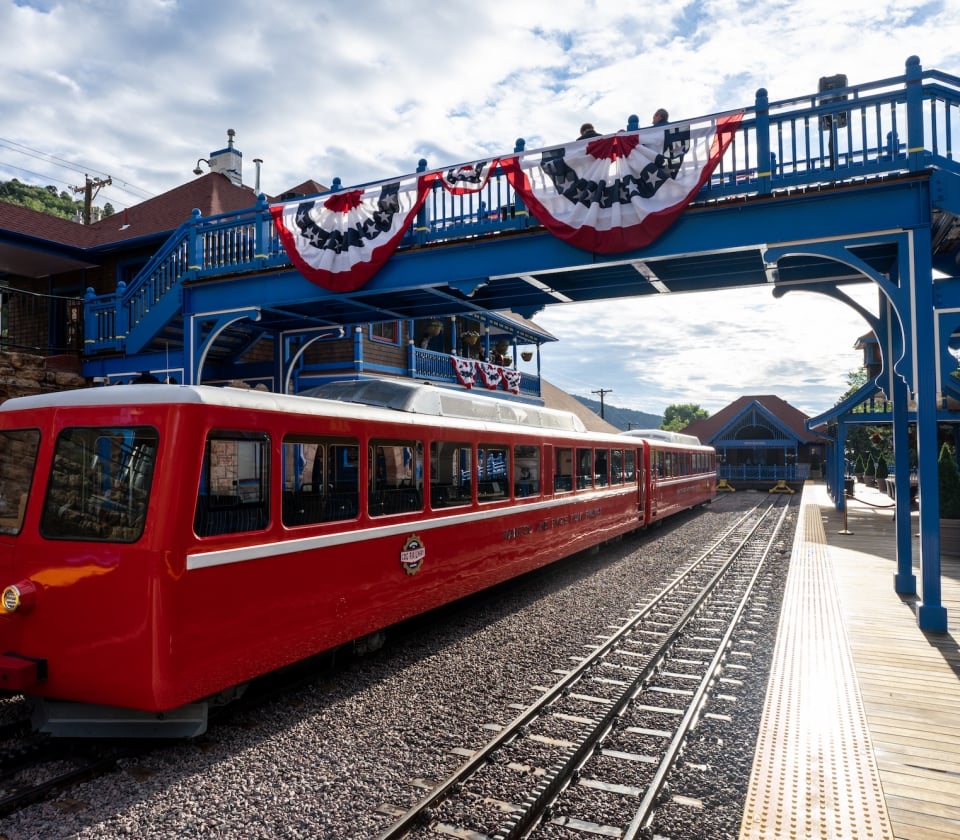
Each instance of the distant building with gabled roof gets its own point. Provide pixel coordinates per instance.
(760, 432)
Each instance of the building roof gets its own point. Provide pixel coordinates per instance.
(791, 418)
(553, 397)
(211, 194)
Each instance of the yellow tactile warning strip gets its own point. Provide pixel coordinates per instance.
(814, 775)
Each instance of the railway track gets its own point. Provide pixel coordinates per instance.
(594, 752)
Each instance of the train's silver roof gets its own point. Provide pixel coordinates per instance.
(440, 402)
(410, 397)
(663, 434)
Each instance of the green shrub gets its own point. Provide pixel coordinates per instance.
(882, 469)
(949, 484)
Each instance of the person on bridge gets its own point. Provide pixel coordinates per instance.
(660, 116)
(587, 130)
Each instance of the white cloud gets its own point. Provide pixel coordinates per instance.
(140, 90)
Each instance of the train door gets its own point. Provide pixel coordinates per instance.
(546, 475)
(655, 472)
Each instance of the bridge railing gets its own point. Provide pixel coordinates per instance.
(863, 131)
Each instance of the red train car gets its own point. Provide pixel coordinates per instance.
(162, 545)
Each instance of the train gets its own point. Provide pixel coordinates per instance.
(162, 546)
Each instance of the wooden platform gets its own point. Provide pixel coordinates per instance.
(861, 730)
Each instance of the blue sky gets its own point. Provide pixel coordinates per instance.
(140, 90)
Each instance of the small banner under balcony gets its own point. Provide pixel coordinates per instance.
(340, 241)
(618, 193)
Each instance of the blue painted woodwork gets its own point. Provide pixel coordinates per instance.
(814, 193)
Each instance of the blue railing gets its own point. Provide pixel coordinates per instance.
(755, 472)
(436, 367)
(895, 125)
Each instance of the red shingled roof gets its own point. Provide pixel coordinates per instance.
(792, 418)
(211, 194)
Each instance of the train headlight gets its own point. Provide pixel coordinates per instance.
(18, 597)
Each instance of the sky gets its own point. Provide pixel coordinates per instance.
(139, 90)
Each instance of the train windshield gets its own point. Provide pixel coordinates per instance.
(100, 483)
(18, 458)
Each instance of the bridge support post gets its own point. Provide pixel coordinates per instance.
(920, 325)
(904, 581)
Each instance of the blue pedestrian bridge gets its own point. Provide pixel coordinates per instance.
(849, 184)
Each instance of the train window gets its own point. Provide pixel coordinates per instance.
(616, 466)
(235, 484)
(99, 484)
(320, 479)
(396, 476)
(563, 469)
(584, 468)
(18, 457)
(601, 467)
(526, 460)
(656, 463)
(450, 473)
(629, 465)
(493, 472)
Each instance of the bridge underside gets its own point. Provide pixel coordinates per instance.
(722, 246)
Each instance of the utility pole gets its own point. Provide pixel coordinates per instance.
(601, 392)
(90, 190)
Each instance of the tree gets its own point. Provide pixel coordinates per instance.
(678, 416)
(949, 484)
(882, 469)
(43, 199)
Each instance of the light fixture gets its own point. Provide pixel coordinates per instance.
(197, 170)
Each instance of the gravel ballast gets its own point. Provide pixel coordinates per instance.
(323, 761)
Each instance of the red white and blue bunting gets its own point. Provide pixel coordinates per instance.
(618, 193)
(341, 241)
(606, 195)
(492, 376)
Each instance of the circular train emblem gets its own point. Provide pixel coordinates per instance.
(411, 557)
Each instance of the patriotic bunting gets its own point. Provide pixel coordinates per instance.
(606, 195)
(619, 193)
(465, 370)
(489, 374)
(511, 380)
(341, 241)
(468, 370)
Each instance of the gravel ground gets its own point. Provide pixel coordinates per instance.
(323, 761)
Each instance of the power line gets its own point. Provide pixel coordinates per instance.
(19, 148)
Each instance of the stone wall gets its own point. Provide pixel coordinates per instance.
(23, 374)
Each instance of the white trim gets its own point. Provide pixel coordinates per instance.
(278, 548)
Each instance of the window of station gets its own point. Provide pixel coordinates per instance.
(18, 458)
(563, 469)
(526, 461)
(493, 472)
(100, 484)
(396, 476)
(320, 479)
(450, 473)
(234, 484)
(584, 468)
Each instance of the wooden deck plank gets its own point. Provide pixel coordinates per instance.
(907, 682)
